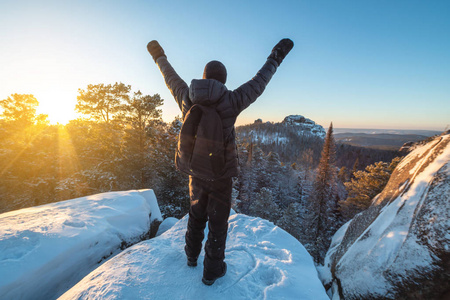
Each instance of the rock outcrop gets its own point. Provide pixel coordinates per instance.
(264, 262)
(304, 125)
(44, 250)
(399, 247)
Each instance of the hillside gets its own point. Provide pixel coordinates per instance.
(283, 132)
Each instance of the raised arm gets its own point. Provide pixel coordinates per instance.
(176, 85)
(247, 93)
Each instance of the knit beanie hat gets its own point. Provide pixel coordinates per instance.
(215, 70)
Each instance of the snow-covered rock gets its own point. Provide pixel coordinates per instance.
(166, 225)
(304, 125)
(264, 262)
(399, 248)
(406, 148)
(45, 250)
(292, 131)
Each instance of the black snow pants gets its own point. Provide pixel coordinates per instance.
(210, 200)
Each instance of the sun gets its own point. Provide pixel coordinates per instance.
(59, 109)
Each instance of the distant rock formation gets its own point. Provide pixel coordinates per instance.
(293, 130)
(304, 125)
(399, 247)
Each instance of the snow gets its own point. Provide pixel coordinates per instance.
(269, 138)
(296, 124)
(166, 225)
(378, 247)
(305, 125)
(325, 271)
(149, 195)
(264, 262)
(418, 153)
(47, 249)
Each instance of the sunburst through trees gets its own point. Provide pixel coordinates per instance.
(121, 143)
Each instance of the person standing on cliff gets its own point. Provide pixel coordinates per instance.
(210, 198)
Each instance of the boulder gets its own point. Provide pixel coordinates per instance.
(399, 247)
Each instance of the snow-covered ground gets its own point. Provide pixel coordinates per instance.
(44, 250)
(264, 262)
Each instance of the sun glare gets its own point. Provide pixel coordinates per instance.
(58, 111)
(52, 75)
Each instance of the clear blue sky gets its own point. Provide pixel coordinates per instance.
(360, 64)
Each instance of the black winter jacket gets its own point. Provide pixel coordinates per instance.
(229, 104)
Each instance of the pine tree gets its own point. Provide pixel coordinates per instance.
(28, 154)
(141, 112)
(21, 110)
(252, 178)
(324, 196)
(264, 206)
(343, 174)
(307, 161)
(103, 102)
(355, 168)
(291, 219)
(259, 170)
(365, 186)
(170, 185)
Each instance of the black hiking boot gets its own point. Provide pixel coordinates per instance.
(191, 262)
(210, 281)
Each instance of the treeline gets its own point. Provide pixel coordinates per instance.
(121, 144)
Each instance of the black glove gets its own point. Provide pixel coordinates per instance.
(155, 50)
(281, 49)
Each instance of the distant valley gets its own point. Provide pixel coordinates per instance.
(379, 138)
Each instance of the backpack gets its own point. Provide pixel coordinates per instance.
(201, 149)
